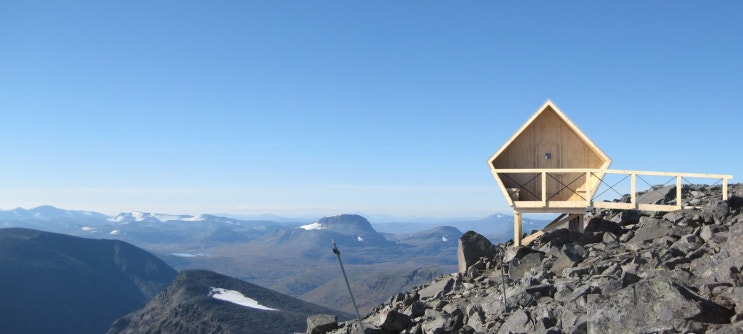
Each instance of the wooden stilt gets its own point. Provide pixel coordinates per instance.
(517, 227)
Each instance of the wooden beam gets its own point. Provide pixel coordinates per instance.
(613, 205)
(566, 204)
(678, 193)
(633, 190)
(608, 171)
(517, 227)
(579, 207)
(656, 207)
(589, 188)
(544, 188)
(528, 204)
(557, 222)
(502, 186)
(528, 239)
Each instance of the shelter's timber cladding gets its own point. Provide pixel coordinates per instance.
(549, 141)
(549, 165)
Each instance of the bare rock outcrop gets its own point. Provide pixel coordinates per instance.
(473, 246)
(629, 272)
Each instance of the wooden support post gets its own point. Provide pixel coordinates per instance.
(724, 189)
(517, 234)
(633, 190)
(544, 188)
(589, 202)
(678, 192)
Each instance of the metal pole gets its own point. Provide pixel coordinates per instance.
(503, 278)
(338, 253)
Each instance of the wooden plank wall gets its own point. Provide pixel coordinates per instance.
(572, 152)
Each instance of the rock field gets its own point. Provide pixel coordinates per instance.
(628, 272)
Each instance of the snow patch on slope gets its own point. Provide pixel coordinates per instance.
(313, 226)
(188, 254)
(238, 298)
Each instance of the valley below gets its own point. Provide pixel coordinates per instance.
(294, 258)
(83, 272)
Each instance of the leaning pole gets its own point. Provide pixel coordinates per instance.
(338, 253)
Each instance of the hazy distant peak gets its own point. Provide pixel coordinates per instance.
(47, 212)
(138, 216)
(345, 219)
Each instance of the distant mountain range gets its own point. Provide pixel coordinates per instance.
(497, 226)
(294, 258)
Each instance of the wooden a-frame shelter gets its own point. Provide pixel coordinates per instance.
(550, 166)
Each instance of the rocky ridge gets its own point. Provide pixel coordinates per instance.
(202, 301)
(56, 283)
(628, 272)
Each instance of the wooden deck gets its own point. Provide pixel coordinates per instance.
(574, 190)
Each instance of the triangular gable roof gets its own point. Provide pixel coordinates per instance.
(550, 105)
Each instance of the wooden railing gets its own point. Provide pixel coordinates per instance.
(576, 188)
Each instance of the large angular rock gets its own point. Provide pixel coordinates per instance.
(674, 217)
(624, 217)
(471, 247)
(394, 321)
(434, 322)
(454, 322)
(734, 246)
(729, 255)
(416, 309)
(321, 323)
(652, 305)
(735, 202)
(519, 266)
(736, 190)
(541, 290)
(601, 225)
(475, 318)
(436, 289)
(517, 322)
(561, 236)
(658, 195)
(567, 256)
(707, 232)
(717, 212)
(651, 229)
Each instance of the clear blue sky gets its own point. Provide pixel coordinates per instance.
(324, 107)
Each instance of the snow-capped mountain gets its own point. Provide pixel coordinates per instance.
(146, 217)
(48, 213)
